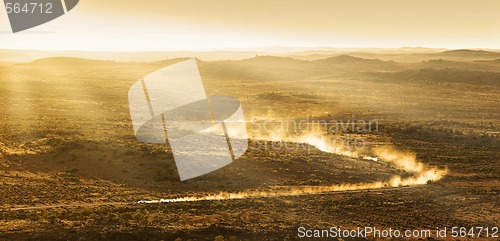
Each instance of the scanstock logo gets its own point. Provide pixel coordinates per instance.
(170, 106)
(26, 14)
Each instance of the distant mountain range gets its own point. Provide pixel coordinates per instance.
(397, 55)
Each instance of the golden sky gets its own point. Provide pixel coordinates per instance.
(137, 25)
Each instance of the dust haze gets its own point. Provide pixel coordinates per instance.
(402, 138)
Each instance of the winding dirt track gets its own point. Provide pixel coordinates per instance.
(80, 205)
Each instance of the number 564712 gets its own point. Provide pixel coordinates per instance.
(29, 8)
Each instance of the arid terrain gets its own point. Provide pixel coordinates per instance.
(72, 169)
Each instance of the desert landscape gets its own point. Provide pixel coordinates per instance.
(72, 169)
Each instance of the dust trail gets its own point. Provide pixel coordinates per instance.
(291, 191)
(420, 173)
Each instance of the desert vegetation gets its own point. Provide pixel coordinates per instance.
(71, 168)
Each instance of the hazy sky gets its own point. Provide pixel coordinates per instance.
(133, 25)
